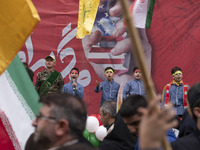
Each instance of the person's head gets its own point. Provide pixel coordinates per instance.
(25, 64)
(108, 112)
(30, 73)
(109, 73)
(50, 62)
(137, 73)
(177, 74)
(74, 73)
(62, 118)
(194, 103)
(130, 114)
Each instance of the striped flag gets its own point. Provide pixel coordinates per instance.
(142, 11)
(17, 20)
(86, 17)
(103, 57)
(100, 53)
(18, 106)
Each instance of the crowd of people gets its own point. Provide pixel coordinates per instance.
(137, 125)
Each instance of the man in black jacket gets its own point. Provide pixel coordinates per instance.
(122, 135)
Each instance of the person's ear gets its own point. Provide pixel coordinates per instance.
(173, 77)
(196, 112)
(62, 127)
(107, 115)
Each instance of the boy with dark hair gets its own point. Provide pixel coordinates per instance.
(73, 87)
(130, 114)
(122, 135)
(173, 70)
(134, 86)
(109, 87)
(176, 91)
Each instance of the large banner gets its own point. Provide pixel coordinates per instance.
(172, 40)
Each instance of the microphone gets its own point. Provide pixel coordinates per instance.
(74, 87)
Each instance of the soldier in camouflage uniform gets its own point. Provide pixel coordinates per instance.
(49, 80)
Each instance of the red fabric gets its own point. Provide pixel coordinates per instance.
(173, 36)
(167, 93)
(185, 92)
(55, 16)
(5, 141)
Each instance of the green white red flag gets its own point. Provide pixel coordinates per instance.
(18, 106)
(142, 12)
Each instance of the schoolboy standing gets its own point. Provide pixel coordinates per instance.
(176, 91)
(109, 87)
(73, 87)
(134, 86)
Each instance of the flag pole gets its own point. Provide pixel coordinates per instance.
(138, 53)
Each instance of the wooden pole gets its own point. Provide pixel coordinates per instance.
(138, 54)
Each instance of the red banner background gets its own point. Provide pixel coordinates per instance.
(173, 36)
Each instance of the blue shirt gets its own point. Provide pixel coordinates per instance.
(171, 138)
(133, 87)
(68, 88)
(176, 97)
(109, 90)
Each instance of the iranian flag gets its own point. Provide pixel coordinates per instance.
(18, 98)
(142, 12)
(18, 106)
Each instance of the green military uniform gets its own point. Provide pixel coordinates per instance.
(42, 77)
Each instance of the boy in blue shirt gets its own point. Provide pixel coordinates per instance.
(176, 92)
(109, 87)
(134, 86)
(73, 87)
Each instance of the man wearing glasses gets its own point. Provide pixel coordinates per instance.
(60, 122)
